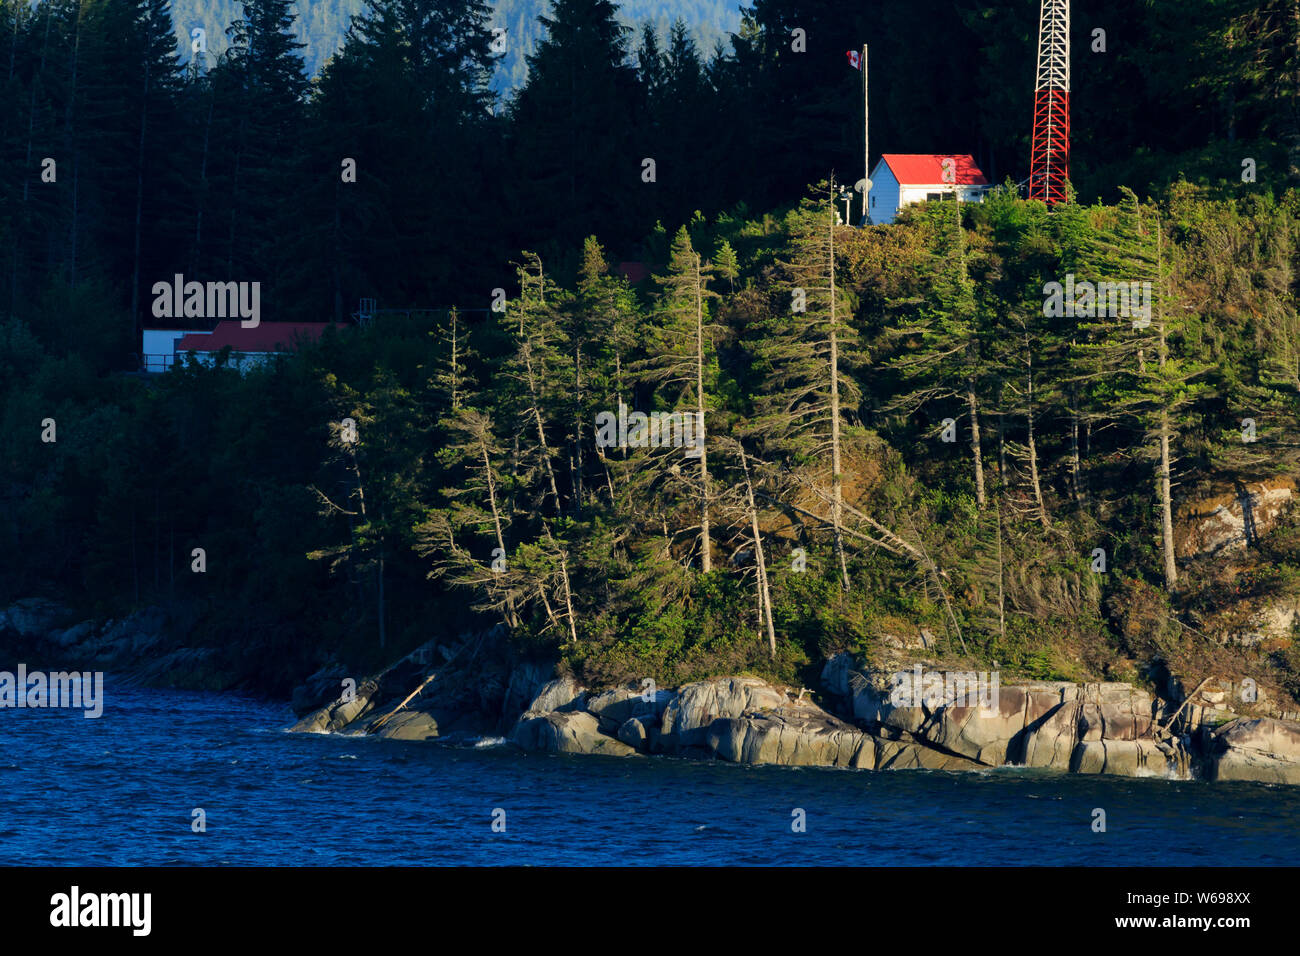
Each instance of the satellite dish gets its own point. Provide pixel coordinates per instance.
(862, 185)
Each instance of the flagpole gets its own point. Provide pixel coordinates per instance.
(866, 155)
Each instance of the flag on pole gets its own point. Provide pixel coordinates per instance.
(855, 59)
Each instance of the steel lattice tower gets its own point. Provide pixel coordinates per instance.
(1049, 156)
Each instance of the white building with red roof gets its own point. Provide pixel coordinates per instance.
(903, 178)
(248, 346)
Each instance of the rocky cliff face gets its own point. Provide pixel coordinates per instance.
(1231, 519)
(1081, 728)
(1261, 749)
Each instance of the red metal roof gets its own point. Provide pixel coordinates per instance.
(926, 169)
(264, 337)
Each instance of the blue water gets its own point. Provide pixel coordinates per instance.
(119, 790)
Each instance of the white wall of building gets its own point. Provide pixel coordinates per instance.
(920, 193)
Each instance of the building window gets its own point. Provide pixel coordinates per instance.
(873, 202)
(933, 197)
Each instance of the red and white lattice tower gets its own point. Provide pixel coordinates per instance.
(1049, 156)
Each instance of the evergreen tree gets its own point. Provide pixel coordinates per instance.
(590, 164)
(942, 362)
(650, 67)
(807, 347)
(261, 87)
(1139, 371)
(682, 363)
(726, 265)
(539, 370)
(481, 505)
(407, 100)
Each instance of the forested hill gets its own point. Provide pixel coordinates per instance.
(1017, 474)
(322, 25)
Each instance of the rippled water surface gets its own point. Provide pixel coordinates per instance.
(120, 790)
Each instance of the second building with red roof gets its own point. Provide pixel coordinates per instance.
(903, 178)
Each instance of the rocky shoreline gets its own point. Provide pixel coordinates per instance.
(476, 686)
(139, 649)
(1110, 728)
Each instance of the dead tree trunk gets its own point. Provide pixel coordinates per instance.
(536, 411)
(1076, 463)
(511, 618)
(973, 406)
(1032, 446)
(764, 592)
(1166, 462)
(837, 476)
(706, 543)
